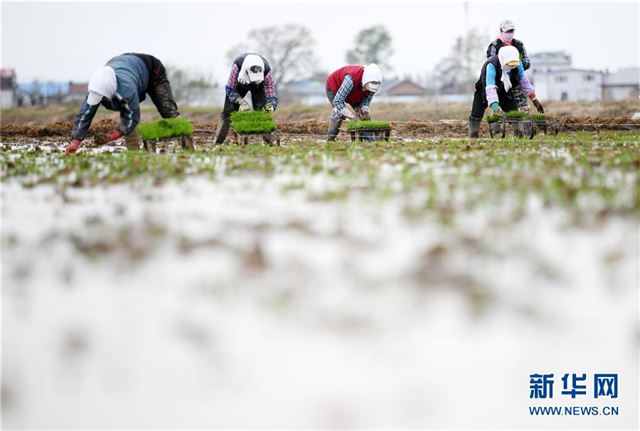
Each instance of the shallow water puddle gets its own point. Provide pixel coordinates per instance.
(309, 296)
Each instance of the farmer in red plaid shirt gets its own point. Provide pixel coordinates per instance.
(356, 86)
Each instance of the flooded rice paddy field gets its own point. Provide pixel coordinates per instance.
(401, 284)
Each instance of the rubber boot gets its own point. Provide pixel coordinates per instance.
(223, 128)
(474, 127)
(133, 141)
(334, 128)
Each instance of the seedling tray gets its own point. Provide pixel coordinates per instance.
(166, 129)
(520, 127)
(260, 124)
(270, 138)
(369, 130)
(549, 127)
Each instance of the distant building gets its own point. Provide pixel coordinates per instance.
(76, 92)
(621, 85)
(569, 85)
(310, 91)
(401, 90)
(43, 93)
(556, 79)
(548, 61)
(404, 87)
(8, 89)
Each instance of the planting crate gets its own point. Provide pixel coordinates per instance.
(517, 121)
(369, 130)
(541, 123)
(521, 124)
(254, 124)
(165, 129)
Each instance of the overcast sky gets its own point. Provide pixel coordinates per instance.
(68, 41)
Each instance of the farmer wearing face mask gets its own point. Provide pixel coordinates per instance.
(498, 78)
(121, 85)
(249, 73)
(356, 86)
(505, 38)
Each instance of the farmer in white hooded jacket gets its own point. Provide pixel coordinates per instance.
(356, 86)
(121, 85)
(250, 73)
(499, 75)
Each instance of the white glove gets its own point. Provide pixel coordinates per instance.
(363, 113)
(344, 112)
(244, 106)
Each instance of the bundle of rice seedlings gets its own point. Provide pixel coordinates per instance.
(368, 125)
(252, 122)
(494, 118)
(165, 128)
(516, 115)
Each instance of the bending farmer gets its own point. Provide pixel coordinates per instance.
(121, 85)
(356, 86)
(505, 38)
(499, 76)
(249, 73)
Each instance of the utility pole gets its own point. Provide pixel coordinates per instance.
(466, 18)
(465, 41)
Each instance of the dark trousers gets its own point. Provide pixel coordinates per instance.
(163, 99)
(519, 97)
(506, 100)
(335, 121)
(159, 88)
(258, 100)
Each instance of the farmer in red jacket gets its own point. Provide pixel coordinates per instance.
(356, 86)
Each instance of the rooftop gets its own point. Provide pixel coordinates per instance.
(626, 76)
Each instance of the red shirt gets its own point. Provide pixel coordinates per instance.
(358, 94)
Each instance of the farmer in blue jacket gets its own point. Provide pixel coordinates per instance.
(121, 85)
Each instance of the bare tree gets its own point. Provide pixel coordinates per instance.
(458, 72)
(373, 45)
(187, 85)
(288, 49)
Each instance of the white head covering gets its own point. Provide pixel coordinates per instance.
(103, 83)
(506, 55)
(372, 73)
(246, 76)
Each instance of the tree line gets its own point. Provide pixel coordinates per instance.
(290, 51)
